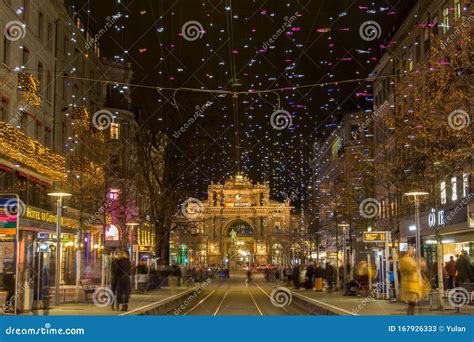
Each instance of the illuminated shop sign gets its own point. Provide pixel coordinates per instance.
(436, 219)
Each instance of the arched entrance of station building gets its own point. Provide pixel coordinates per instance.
(241, 253)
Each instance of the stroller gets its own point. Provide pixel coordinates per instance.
(352, 288)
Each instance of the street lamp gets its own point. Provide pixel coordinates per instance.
(416, 195)
(59, 204)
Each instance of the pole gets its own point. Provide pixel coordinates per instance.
(439, 259)
(58, 250)
(17, 251)
(387, 266)
(344, 255)
(418, 229)
(369, 270)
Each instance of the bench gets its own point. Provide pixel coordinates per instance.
(88, 286)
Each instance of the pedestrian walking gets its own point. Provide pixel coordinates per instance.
(318, 278)
(295, 276)
(411, 281)
(330, 275)
(288, 273)
(451, 271)
(463, 267)
(113, 280)
(309, 276)
(123, 289)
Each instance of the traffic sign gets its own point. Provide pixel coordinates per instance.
(374, 236)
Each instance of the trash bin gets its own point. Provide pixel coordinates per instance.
(433, 297)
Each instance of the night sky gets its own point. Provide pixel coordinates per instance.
(320, 45)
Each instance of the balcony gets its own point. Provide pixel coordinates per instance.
(17, 146)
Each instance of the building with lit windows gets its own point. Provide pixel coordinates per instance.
(50, 90)
(264, 231)
(447, 212)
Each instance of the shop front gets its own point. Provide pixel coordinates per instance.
(36, 259)
(450, 225)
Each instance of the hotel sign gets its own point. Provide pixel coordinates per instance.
(39, 215)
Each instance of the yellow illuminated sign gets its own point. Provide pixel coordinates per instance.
(374, 237)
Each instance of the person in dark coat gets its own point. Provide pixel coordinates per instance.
(463, 267)
(309, 281)
(122, 274)
(330, 276)
(296, 276)
(113, 280)
(318, 278)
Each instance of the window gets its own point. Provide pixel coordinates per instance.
(25, 7)
(24, 122)
(65, 45)
(4, 110)
(25, 57)
(39, 132)
(40, 77)
(445, 20)
(277, 227)
(49, 84)
(65, 86)
(114, 131)
(6, 51)
(457, 9)
(442, 188)
(47, 137)
(465, 184)
(40, 25)
(49, 37)
(454, 189)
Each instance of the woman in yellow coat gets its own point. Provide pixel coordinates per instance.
(410, 281)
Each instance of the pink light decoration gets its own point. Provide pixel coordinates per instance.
(263, 12)
(345, 59)
(324, 29)
(235, 52)
(345, 29)
(363, 8)
(296, 29)
(263, 50)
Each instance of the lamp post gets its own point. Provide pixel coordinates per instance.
(57, 276)
(416, 195)
(136, 256)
